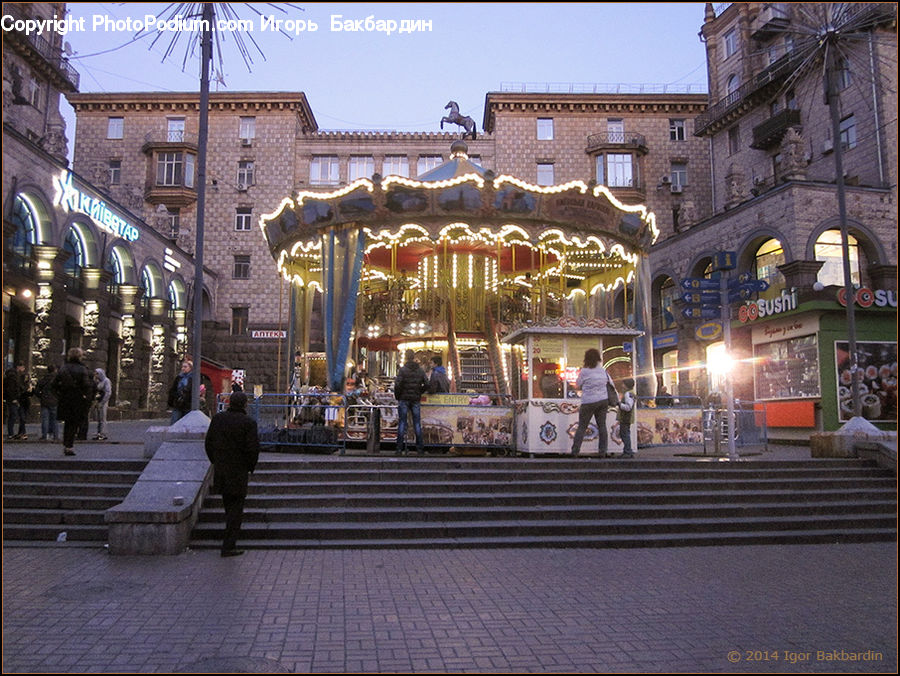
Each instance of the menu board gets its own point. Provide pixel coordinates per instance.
(876, 377)
(787, 369)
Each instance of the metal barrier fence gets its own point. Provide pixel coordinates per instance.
(329, 423)
(749, 427)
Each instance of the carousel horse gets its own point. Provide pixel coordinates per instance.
(455, 118)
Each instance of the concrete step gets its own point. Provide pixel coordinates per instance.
(488, 530)
(67, 489)
(85, 517)
(76, 502)
(724, 538)
(508, 496)
(38, 476)
(50, 532)
(342, 513)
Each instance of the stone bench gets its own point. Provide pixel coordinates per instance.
(162, 508)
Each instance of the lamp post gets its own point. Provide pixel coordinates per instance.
(203, 133)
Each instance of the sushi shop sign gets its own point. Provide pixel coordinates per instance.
(866, 298)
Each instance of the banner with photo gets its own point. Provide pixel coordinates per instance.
(877, 378)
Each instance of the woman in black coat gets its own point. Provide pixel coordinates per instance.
(74, 386)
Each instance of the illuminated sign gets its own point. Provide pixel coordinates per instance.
(865, 297)
(71, 198)
(767, 307)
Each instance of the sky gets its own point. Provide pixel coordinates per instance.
(376, 80)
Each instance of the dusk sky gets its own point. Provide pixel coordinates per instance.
(371, 80)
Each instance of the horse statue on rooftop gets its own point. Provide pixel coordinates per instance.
(455, 118)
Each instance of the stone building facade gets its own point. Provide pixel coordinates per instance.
(80, 268)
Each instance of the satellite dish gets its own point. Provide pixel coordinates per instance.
(67, 48)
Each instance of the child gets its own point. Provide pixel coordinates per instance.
(626, 416)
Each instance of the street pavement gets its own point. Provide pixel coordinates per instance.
(795, 608)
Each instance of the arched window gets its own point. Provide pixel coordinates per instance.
(769, 256)
(177, 295)
(828, 249)
(26, 222)
(147, 286)
(116, 267)
(668, 293)
(75, 247)
(734, 83)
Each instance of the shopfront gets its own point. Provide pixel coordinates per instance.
(800, 362)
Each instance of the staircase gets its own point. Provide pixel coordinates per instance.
(43, 498)
(476, 373)
(495, 502)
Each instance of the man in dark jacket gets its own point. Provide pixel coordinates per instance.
(75, 387)
(232, 445)
(439, 381)
(13, 386)
(409, 387)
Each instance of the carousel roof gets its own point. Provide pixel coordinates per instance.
(459, 164)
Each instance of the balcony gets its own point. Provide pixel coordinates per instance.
(747, 95)
(771, 21)
(40, 53)
(613, 140)
(169, 140)
(770, 132)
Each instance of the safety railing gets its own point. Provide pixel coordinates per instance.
(748, 427)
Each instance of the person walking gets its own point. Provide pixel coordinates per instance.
(232, 446)
(104, 392)
(626, 416)
(75, 389)
(409, 387)
(25, 392)
(592, 381)
(180, 392)
(439, 381)
(49, 400)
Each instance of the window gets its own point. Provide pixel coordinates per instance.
(790, 100)
(615, 130)
(360, 166)
(241, 267)
(36, 93)
(734, 83)
(619, 170)
(600, 167)
(240, 317)
(545, 129)
(676, 130)
(243, 218)
(545, 174)
(428, 162)
(175, 129)
(734, 140)
(115, 172)
(175, 169)
(844, 79)
(828, 249)
(323, 170)
(776, 165)
(395, 165)
(678, 174)
(115, 127)
(730, 42)
(668, 295)
(848, 132)
(245, 173)
(475, 159)
(768, 257)
(174, 223)
(74, 246)
(247, 128)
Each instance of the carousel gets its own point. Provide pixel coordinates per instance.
(509, 283)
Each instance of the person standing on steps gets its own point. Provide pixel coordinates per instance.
(409, 387)
(49, 405)
(75, 388)
(592, 381)
(232, 446)
(626, 417)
